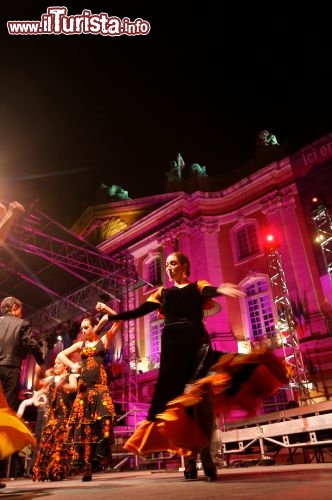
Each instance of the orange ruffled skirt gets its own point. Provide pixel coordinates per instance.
(14, 434)
(237, 381)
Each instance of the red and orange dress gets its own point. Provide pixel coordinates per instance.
(14, 434)
(53, 458)
(92, 417)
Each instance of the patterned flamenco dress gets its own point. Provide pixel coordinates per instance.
(53, 459)
(90, 425)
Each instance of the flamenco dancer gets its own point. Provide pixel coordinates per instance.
(53, 460)
(181, 415)
(91, 421)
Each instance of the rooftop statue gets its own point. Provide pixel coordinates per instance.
(265, 139)
(198, 170)
(118, 192)
(176, 169)
(113, 191)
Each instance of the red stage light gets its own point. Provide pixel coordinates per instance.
(271, 242)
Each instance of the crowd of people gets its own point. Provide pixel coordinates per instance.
(78, 416)
(194, 381)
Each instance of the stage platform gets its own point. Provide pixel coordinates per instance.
(308, 428)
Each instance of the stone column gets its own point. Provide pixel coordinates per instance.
(206, 264)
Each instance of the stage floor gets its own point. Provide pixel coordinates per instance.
(298, 482)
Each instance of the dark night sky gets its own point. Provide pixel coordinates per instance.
(80, 110)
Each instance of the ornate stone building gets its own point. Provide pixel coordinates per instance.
(221, 223)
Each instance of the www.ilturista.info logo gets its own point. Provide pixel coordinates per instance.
(57, 22)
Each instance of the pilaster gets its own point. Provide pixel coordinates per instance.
(300, 273)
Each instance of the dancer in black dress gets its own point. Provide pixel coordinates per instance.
(53, 459)
(92, 417)
(182, 411)
(185, 355)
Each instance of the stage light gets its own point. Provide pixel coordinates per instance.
(319, 238)
(271, 242)
(318, 201)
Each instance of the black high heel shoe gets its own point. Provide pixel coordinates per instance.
(59, 476)
(87, 475)
(190, 471)
(210, 470)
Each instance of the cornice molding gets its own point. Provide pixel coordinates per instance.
(278, 202)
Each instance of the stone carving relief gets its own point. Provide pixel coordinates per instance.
(103, 229)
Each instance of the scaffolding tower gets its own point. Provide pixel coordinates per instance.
(323, 227)
(129, 336)
(286, 325)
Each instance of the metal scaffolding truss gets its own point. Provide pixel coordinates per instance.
(75, 304)
(129, 341)
(323, 225)
(60, 277)
(78, 255)
(286, 326)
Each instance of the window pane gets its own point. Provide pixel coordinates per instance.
(260, 312)
(247, 241)
(156, 326)
(154, 271)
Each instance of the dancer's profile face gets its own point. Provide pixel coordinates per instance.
(175, 271)
(86, 329)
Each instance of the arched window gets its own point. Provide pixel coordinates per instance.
(260, 310)
(152, 270)
(246, 240)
